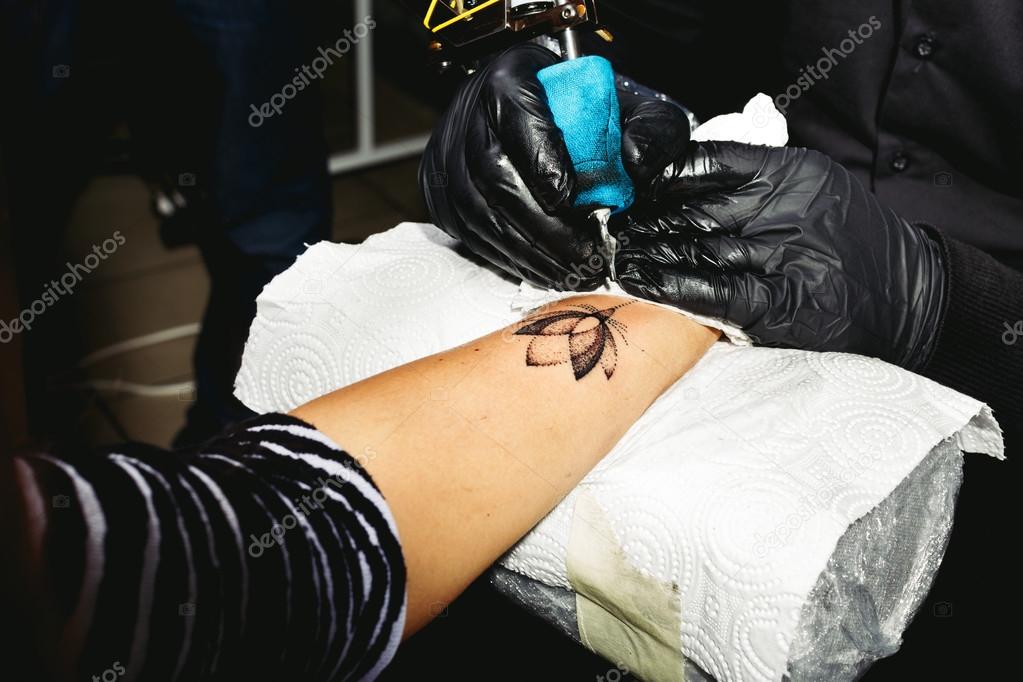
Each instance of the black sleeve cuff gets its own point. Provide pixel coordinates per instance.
(979, 350)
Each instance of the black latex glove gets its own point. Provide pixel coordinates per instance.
(788, 245)
(497, 176)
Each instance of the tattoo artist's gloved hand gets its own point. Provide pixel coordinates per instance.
(497, 176)
(791, 247)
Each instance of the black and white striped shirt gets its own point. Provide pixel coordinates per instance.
(267, 553)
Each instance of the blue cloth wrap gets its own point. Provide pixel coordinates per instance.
(581, 93)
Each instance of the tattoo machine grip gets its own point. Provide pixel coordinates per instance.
(581, 94)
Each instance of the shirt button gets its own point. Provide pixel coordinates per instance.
(900, 162)
(925, 46)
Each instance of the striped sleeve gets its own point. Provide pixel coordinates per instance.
(267, 553)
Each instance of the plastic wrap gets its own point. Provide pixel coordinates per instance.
(875, 581)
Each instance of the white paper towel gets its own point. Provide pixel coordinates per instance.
(736, 484)
(759, 123)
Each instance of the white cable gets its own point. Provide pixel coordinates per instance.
(143, 390)
(144, 341)
(132, 387)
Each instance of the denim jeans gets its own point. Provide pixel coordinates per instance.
(187, 75)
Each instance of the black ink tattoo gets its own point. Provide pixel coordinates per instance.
(584, 337)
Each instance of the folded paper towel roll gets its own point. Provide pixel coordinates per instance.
(777, 451)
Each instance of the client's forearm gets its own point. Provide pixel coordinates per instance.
(473, 446)
(267, 553)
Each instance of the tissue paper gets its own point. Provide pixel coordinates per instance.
(735, 485)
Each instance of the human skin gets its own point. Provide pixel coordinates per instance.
(470, 448)
(473, 446)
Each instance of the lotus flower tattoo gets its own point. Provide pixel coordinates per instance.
(584, 337)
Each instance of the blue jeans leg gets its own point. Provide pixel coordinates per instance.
(268, 183)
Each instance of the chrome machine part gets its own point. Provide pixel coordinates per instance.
(462, 31)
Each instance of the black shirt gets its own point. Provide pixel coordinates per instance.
(925, 105)
(927, 109)
(923, 101)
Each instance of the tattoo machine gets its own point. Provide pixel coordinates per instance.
(580, 90)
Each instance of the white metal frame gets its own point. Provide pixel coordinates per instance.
(367, 152)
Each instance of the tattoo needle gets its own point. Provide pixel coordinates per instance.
(603, 217)
(582, 95)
